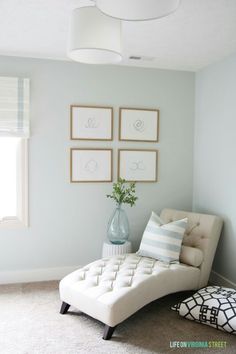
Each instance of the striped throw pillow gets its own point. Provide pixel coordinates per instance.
(163, 242)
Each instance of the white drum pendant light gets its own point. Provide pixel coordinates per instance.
(94, 38)
(137, 10)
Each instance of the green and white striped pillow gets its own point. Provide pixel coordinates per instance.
(163, 242)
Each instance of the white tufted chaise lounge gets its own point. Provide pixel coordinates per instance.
(112, 289)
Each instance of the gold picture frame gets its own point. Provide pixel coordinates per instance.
(139, 124)
(138, 165)
(91, 165)
(91, 123)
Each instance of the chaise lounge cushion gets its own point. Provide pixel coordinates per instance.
(112, 289)
(191, 256)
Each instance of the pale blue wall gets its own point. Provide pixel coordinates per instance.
(215, 155)
(68, 221)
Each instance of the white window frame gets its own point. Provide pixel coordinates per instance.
(22, 218)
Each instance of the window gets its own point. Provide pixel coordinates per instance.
(14, 133)
(13, 182)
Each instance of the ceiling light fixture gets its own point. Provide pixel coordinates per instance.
(94, 38)
(137, 10)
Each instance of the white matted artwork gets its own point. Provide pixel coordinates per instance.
(91, 123)
(90, 165)
(138, 165)
(136, 124)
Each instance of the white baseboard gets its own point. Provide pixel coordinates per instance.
(218, 279)
(34, 275)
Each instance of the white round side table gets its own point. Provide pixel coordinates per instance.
(110, 249)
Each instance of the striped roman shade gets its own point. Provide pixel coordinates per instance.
(163, 242)
(14, 106)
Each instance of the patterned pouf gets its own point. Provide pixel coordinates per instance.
(214, 306)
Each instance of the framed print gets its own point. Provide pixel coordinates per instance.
(90, 165)
(91, 123)
(136, 124)
(138, 165)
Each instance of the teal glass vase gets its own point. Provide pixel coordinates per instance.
(118, 226)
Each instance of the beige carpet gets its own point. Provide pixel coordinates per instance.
(30, 323)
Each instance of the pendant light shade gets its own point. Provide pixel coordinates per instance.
(94, 38)
(137, 10)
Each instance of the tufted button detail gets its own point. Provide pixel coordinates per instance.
(198, 223)
(127, 272)
(131, 267)
(118, 273)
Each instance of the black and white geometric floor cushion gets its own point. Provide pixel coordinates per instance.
(214, 306)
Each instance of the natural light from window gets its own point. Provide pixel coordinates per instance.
(8, 177)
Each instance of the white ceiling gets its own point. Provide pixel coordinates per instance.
(198, 33)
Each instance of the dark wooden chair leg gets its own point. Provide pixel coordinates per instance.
(64, 308)
(108, 331)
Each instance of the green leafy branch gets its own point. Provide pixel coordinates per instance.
(122, 194)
